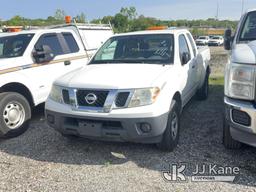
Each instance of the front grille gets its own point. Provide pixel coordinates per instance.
(101, 97)
(65, 95)
(121, 99)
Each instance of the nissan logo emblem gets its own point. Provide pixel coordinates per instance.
(91, 98)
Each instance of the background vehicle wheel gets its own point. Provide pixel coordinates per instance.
(15, 114)
(171, 135)
(228, 141)
(70, 137)
(203, 92)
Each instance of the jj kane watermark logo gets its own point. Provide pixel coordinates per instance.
(183, 172)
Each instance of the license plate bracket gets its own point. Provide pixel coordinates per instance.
(90, 128)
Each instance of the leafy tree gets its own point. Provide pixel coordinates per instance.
(126, 20)
(17, 20)
(120, 23)
(142, 23)
(96, 21)
(60, 15)
(107, 19)
(129, 12)
(81, 18)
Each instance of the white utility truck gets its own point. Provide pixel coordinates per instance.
(31, 60)
(133, 89)
(240, 84)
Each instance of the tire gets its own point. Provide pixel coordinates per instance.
(203, 92)
(227, 139)
(15, 114)
(171, 135)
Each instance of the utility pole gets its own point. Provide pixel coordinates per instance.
(242, 7)
(217, 12)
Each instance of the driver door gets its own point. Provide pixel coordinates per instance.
(187, 67)
(43, 74)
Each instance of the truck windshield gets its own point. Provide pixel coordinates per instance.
(14, 45)
(248, 32)
(149, 49)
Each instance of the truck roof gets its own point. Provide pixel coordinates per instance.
(35, 31)
(250, 10)
(167, 31)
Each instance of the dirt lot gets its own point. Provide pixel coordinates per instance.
(42, 160)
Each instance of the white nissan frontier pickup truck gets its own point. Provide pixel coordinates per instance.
(133, 89)
(240, 84)
(31, 60)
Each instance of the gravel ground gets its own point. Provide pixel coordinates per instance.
(42, 160)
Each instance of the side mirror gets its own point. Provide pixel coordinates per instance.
(185, 58)
(43, 54)
(228, 39)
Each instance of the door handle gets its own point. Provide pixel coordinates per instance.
(193, 66)
(67, 62)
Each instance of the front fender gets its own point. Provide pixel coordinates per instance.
(20, 79)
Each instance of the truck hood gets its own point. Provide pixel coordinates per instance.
(244, 53)
(201, 40)
(113, 76)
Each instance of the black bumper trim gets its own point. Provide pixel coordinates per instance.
(109, 129)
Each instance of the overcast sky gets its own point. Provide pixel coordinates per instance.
(162, 9)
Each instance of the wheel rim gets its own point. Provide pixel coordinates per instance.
(14, 115)
(174, 125)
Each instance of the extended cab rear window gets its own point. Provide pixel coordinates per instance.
(71, 42)
(14, 45)
(145, 48)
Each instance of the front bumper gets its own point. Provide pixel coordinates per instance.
(213, 44)
(201, 43)
(243, 130)
(109, 129)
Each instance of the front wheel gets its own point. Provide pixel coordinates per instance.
(171, 135)
(228, 141)
(15, 114)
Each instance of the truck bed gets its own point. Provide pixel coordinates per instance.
(205, 52)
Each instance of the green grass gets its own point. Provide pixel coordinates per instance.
(216, 80)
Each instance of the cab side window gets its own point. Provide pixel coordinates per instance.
(184, 52)
(192, 43)
(71, 42)
(52, 41)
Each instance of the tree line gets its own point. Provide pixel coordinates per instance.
(127, 19)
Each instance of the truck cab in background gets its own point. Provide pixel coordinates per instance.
(240, 79)
(31, 60)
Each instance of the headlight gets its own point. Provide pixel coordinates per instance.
(143, 97)
(56, 94)
(240, 82)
